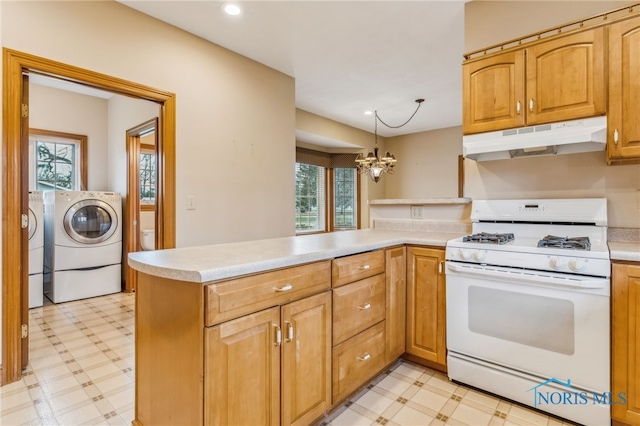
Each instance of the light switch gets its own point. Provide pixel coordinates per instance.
(191, 202)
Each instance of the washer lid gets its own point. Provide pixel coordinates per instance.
(90, 221)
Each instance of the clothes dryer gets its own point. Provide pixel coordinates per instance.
(83, 244)
(36, 248)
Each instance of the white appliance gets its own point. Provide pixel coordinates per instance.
(83, 244)
(584, 135)
(528, 312)
(36, 248)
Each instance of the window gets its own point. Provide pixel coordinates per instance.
(345, 199)
(310, 198)
(147, 176)
(320, 210)
(57, 161)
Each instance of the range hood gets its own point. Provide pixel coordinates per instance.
(584, 135)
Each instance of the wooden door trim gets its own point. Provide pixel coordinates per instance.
(16, 63)
(132, 208)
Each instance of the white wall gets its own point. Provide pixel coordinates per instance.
(562, 176)
(235, 131)
(427, 164)
(69, 112)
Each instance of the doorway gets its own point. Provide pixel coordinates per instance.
(17, 67)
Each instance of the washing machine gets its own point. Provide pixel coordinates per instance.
(36, 248)
(82, 244)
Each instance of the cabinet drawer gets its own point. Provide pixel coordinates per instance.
(357, 360)
(357, 306)
(241, 296)
(353, 268)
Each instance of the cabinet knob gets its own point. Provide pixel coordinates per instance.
(364, 307)
(365, 357)
(364, 267)
(284, 288)
(616, 136)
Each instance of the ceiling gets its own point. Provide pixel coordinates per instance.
(346, 56)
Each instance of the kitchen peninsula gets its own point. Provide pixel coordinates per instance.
(279, 331)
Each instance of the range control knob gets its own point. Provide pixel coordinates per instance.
(557, 263)
(480, 255)
(464, 254)
(577, 265)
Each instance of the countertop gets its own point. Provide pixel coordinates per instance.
(627, 251)
(220, 261)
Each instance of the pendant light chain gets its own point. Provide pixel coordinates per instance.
(373, 165)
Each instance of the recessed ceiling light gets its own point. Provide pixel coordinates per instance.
(231, 9)
(368, 112)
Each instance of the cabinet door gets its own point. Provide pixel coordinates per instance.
(242, 371)
(566, 78)
(396, 273)
(426, 304)
(306, 359)
(624, 90)
(493, 93)
(626, 342)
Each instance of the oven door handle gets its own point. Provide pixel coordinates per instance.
(527, 277)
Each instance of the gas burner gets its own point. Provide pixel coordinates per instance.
(485, 237)
(575, 243)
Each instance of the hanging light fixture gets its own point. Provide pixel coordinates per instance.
(374, 166)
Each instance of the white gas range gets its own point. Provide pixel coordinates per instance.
(528, 305)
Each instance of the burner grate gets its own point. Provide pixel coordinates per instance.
(575, 243)
(488, 238)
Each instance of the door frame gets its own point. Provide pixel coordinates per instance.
(132, 211)
(15, 186)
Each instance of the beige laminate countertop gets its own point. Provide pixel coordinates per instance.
(624, 251)
(216, 262)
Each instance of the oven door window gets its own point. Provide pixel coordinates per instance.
(532, 320)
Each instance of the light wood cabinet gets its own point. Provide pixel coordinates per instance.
(623, 124)
(396, 300)
(358, 306)
(625, 350)
(555, 80)
(426, 305)
(243, 363)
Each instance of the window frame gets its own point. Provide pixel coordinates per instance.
(149, 150)
(325, 195)
(81, 140)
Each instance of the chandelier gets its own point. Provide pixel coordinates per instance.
(373, 165)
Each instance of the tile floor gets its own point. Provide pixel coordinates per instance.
(82, 373)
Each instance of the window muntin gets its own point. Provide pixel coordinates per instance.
(310, 198)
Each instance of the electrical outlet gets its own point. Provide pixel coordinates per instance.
(191, 202)
(416, 212)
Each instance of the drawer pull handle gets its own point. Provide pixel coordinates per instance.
(518, 107)
(278, 335)
(365, 357)
(531, 105)
(287, 287)
(289, 331)
(615, 136)
(365, 267)
(364, 307)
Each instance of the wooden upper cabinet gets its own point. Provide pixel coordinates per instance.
(493, 92)
(623, 116)
(566, 78)
(556, 80)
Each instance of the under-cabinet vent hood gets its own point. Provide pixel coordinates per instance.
(567, 137)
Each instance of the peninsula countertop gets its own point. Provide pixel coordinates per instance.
(220, 261)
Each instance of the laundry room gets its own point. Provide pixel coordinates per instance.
(78, 182)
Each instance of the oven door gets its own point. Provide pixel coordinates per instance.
(544, 324)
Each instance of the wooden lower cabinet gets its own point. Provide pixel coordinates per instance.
(271, 367)
(625, 350)
(426, 305)
(396, 300)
